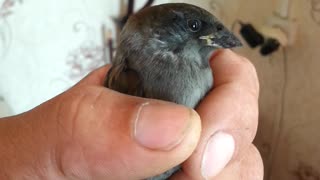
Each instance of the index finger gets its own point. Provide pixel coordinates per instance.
(230, 68)
(229, 115)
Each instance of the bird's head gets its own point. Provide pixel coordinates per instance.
(179, 27)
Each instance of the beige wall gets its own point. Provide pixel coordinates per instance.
(289, 142)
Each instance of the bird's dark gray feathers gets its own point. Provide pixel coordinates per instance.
(164, 53)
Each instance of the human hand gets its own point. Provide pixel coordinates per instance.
(229, 116)
(90, 132)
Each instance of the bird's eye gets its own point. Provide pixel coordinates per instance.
(194, 25)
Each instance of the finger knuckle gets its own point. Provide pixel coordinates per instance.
(248, 65)
(249, 69)
(254, 164)
(79, 102)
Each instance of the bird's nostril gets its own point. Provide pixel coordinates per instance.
(232, 42)
(219, 27)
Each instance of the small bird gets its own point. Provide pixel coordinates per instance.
(164, 53)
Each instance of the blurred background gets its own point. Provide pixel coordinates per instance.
(48, 46)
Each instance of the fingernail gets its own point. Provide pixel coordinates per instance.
(162, 126)
(218, 153)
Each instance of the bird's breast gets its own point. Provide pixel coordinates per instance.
(179, 86)
(197, 88)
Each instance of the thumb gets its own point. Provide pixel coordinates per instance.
(116, 136)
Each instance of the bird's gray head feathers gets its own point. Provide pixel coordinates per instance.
(173, 25)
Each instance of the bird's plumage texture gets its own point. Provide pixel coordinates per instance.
(164, 53)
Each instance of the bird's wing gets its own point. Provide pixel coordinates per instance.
(125, 80)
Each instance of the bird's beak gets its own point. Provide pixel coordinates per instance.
(221, 40)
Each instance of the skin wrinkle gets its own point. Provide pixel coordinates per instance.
(60, 129)
(67, 131)
(242, 162)
(93, 102)
(125, 166)
(54, 159)
(50, 165)
(36, 161)
(82, 152)
(97, 98)
(92, 105)
(42, 169)
(82, 103)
